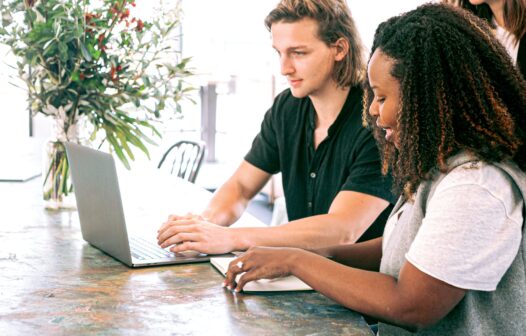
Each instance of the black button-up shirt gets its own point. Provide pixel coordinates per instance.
(347, 159)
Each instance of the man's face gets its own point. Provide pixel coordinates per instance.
(305, 60)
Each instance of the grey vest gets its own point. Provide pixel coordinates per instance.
(501, 312)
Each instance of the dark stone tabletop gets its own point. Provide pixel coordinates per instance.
(53, 282)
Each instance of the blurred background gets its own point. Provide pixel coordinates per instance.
(237, 79)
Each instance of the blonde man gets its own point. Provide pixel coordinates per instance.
(313, 135)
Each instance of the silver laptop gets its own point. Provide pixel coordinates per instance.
(101, 213)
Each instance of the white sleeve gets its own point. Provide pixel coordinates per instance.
(467, 238)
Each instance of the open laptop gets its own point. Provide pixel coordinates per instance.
(101, 214)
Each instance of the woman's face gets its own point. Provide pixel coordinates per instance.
(386, 102)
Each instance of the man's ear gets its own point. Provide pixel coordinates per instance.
(342, 48)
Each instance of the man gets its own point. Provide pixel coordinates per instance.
(313, 134)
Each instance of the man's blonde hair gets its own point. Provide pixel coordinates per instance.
(334, 22)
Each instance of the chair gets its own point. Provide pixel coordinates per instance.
(184, 158)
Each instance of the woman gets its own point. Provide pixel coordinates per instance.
(449, 110)
(508, 18)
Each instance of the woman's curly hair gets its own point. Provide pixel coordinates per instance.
(513, 12)
(459, 92)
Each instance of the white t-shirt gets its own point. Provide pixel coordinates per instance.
(472, 228)
(508, 40)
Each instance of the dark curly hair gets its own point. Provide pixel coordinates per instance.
(459, 92)
(514, 13)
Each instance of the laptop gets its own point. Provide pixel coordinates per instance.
(101, 213)
(285, 284)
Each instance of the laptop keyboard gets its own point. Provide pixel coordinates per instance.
(143, 250)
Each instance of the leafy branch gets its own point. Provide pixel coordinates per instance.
(104, 63)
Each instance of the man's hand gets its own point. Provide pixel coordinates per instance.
(179, 217)
(193, 232)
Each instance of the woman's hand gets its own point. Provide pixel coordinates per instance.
(260, 263)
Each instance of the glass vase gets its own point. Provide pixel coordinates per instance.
(56, 177)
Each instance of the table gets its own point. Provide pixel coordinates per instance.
(53, 282)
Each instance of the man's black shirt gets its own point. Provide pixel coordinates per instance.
(347, 159)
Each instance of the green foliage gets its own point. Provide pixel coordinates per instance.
(94, 59)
